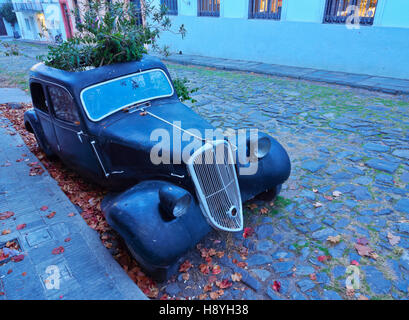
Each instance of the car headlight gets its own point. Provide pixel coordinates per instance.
(259, 148)
(174, 201)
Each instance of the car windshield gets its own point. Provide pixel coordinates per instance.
(103, 99)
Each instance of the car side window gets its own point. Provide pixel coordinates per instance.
(38, 97)
(63, 104)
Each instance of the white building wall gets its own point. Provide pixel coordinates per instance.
(300, 38)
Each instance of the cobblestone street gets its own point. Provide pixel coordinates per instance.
(339, 139)
(346, 202)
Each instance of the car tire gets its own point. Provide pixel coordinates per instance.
(269, 195)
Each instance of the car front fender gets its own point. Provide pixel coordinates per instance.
(155, 243)
(272, 171)
(32, 125)
(31, 122)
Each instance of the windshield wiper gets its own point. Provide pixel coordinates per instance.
(137, 107)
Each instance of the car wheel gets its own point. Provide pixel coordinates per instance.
(269, 195)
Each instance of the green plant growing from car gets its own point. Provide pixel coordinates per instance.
(115, 32)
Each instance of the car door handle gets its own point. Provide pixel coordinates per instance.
(79, 134)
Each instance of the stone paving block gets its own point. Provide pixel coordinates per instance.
(31, 220)
(61, 231)
(38, 236)
(43, 252)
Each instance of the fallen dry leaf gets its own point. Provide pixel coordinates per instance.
(18, 258)
(220, 254)
(185, 266)
(323, 258)
(51, 215)
(7, 231)
(5, 215)
(247, 232)
(334, 239)
(276, 286)
(337, 193)
(264, 210)
(216, 294)
(374, 255)
(58, 250)
(241, 264)
(224, 284)
(365, 251)
(236, 277)
(204, 268)
(216, 269)
(21, 226)
(208, 287)
(393, 240)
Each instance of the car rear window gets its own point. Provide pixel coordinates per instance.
(63, 104)
(105, 98)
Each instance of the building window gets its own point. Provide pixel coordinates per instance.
(265, 9)
(27, 24)
(172, 6)
(209, 8)
(339, 11)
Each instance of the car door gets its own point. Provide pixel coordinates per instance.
(43, 114)
(74, 145)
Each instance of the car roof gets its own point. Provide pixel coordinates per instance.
(76, 81)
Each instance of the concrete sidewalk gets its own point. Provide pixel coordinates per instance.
(62, 246)
(382, 84)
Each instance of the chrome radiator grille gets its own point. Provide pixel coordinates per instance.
(214, 175)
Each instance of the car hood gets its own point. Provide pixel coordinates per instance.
(137, 129)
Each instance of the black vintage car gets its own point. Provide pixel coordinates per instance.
(100, 122)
